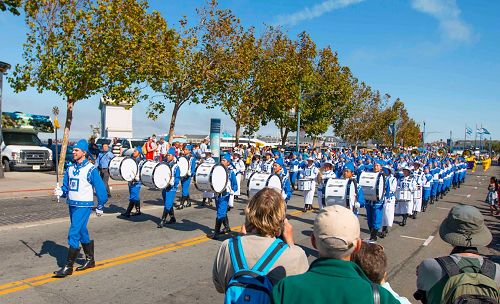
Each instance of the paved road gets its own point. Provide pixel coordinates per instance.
(139, 263)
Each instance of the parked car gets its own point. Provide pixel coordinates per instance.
(128, 144)
(68, 159)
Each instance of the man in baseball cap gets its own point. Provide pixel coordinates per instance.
(336, 236)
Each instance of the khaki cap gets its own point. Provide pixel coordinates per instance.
(336, 227)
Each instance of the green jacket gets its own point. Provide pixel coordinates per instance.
(329, 281)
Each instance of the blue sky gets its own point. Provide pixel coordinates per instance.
(441, 57)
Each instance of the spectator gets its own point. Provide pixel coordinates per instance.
(102, 162)
(93, 148)
(492, 197)
(264, 221)
(117, 147)
(372, 259)
(162, 149)
(204, 145)
(465, 230)
(150, 151)
(332, 278)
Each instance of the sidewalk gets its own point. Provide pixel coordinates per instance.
(34, 184)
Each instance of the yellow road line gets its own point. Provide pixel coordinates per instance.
(127, 258)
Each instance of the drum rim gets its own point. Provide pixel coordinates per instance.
(267, 181)
(153, 174)
(120, 168)
(210, 178)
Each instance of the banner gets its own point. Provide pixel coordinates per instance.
(25, 121)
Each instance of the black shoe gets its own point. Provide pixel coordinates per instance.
(227, 228)
(163, 219)
(137, 209)
(305, 209)
(203, 202)
(215, 235)
(172, 221)
(179, 207)
(373, 235)
(89, 256)
(414, 216)
(229, 208)
(384, 232)
(129, 209)
(68, 268)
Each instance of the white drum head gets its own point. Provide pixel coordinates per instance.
(128, 169)
(219, 178)
(161, 176)
(380, 186)
(183, 164)
(274, 181)
(352, 192)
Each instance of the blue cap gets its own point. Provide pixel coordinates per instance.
(171, 151)
(349, 166)
(138, 149)
(280, 162)
(227, 157)
(82, 145)
(380, 162)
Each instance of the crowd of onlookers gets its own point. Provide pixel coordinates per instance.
(347, 270)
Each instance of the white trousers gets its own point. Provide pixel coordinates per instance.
(309, 195)
(320, 199)
(388, 216)
(238, 181)
(417, 203)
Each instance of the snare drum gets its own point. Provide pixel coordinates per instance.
(304, 184)
(340, 191)
(155, 175)
(183, 164)
(373, 185)
(259, 181)
(123, 168)
(211, 177)
(403, 195)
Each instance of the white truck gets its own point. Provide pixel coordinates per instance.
(21, 149)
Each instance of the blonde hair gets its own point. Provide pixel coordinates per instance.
(266, 213)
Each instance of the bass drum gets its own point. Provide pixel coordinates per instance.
(183, 164)
(211, 177)
(340, 191)
(259, 181)
(123, 168)
(373, 185)
(155, 175)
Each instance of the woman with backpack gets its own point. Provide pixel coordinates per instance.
(268, 236)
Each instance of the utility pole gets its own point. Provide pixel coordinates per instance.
(3, 69)
(297, 139)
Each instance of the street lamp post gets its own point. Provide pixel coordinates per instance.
(3, 69)
(297, 139)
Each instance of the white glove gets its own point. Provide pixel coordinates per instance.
(283, 194)
(98, 212)
(58, 191)
(357, 205)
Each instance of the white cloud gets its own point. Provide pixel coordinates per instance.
(315, 11)
(448, 14)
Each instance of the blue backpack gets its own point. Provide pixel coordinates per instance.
(251, 285)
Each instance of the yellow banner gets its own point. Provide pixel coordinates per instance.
(486, 164)
(56, 123)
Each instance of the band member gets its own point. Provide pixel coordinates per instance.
(426, 194)
(80, 181)
(406, 183)
(309, 173)
(134, 186)
(208, 195)
(294, 164)
(286, 187)
(186, 180)
(238, 167)
(267, 165)
(375, 209)
(391, 185)
(435, 182)
(169, 192)
(326, 172)
(222, 199)
(256, 165)
(360, 197)
(419, 177)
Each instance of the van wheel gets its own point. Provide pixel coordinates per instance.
(6, 166)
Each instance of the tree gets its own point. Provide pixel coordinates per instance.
(234, 54)
(79, 48)
(178, 70)
(286, 72)
(11, 6)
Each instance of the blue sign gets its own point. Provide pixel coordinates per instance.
(215, 127)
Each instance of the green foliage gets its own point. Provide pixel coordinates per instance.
(11, 6)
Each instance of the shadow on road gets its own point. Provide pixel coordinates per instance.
(59, 252)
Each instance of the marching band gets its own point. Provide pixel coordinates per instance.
(386, 183)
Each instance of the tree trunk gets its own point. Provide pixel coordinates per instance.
(284, 135)
(237, 134)
(67, 127)
(177, 106)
